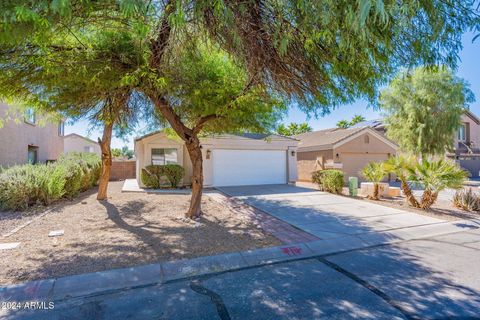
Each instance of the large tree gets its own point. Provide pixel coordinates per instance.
(423, 109)
(317, 54)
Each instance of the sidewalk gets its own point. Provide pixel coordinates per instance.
(92, 284)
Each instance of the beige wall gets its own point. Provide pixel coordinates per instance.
(143, 152)
(473, 132)
(310, 161)
(16, 137)
(353, 155)
(74, 143)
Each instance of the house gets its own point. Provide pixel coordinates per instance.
(228, 160)
(28, 137)
(465, 143)
(76, 143)
(349, 150)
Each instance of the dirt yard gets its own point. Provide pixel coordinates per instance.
(128, 229)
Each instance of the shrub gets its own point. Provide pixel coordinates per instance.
(154, 176)
(329, 180)
(174, 174)
(26, 185)
(467, 200)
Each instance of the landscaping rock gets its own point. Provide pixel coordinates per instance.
(9, 245)
(56, 233)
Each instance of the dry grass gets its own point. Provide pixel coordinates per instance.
(128, 229)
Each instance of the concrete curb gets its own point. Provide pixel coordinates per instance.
(96, 283)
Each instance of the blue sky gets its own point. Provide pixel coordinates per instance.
(468, 68)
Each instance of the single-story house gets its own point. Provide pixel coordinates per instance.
(228, 159)
(76, 143)
(348, 150)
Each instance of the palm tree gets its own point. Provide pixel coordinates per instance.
(344, 124)
(399, 166)
(357, 119)
(374, 172)
(436, 176)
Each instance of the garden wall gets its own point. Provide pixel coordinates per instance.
(123, 169)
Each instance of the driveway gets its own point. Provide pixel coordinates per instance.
(325, 215)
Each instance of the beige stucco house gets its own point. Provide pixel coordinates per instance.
(348, 150)
(76, 143)
(246, 159)
(25, 138)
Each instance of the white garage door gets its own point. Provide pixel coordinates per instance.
(249, 167)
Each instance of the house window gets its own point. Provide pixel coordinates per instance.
(32, 154)
(30, 115)
(88, 149)
(61, 129)
(164, 156)
(462, 133)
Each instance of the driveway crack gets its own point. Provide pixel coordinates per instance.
(214, 297)
(370, 287)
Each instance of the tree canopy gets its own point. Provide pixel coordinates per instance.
(346, 124)
(293, 129)
(423, 109)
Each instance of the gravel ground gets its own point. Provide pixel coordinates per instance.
(128, 229)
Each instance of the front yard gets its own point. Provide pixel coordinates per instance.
(128, 229)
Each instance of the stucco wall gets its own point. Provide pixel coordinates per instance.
(359, 144)
(472, 134)
(310, 161)
(74, 143)
(16, 137)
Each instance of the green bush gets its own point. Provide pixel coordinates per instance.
(467, 200)
(154, 176)
(330, 180)
(26, 185)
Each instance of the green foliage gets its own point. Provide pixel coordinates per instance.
(329, 180)
(293, 129)
(374, 172)
(116, 153)
(423, 109)
(26, 185)
(400, 165)
(153, 175)
(344, 124)
(437, 175)
(467, 200)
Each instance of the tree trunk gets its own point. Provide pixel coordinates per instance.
(195, 153)
(428, 199)
(106, 161)
(409, 195)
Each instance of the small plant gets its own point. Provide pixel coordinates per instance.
(467, 200)
(154, 176)
(374, 172)
(329, 180)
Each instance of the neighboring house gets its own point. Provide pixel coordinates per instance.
(28, 139)
(348, 150)
(466, 142)
(228, 160)
(76, 143)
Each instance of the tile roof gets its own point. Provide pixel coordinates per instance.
(325, 137)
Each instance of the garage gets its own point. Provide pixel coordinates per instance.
(353, 163)
(249, 167)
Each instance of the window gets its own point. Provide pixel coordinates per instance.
(32, 154)
(366, 139)
(88, 149)
(164, 156)
(30, 115)
(61, 129)
(462, 133)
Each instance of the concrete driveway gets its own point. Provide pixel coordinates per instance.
(325, 215)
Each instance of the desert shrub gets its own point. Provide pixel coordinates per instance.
(149, 179)
(467, 200)
(330, 180)
(26, 185)
(374, 172)
(154, 176)
(174, 173)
